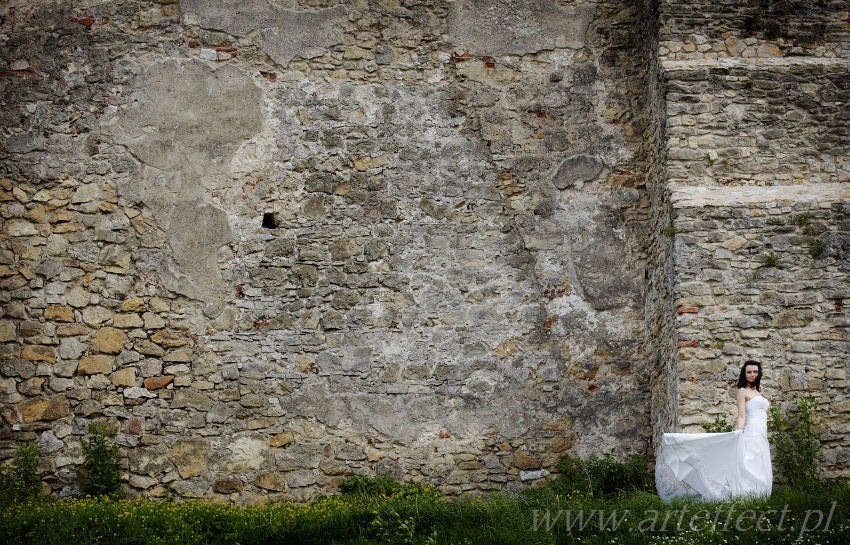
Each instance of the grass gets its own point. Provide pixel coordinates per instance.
(420, 516)
(816, 247)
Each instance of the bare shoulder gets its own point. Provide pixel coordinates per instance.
(746, 394)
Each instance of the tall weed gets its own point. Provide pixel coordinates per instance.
(796, 442)
(601, 477)
(22, 480)
(100, 474)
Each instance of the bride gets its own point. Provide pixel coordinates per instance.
(717, 466)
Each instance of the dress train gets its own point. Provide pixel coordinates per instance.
(717, 466)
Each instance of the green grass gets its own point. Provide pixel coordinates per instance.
(422, 517)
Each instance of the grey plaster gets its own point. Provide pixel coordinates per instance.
(517, 27)
(286, 33)
(184, 126)
(576, 170)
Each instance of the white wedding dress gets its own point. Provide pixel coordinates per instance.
(717, 466)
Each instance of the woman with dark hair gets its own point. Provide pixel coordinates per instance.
(716, 466)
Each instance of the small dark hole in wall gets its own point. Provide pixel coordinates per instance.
(268, 221)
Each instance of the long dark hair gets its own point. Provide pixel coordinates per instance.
(742, 378)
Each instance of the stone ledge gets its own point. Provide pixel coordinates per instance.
(756, 62)
(700, 196)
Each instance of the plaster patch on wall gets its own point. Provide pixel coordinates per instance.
(515, 27)
(185, 126)
(247, 453)
(286, 33)
(188, 115)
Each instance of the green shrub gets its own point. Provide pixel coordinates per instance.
(100, 474)
(22, 480)
(602, 477)
(383, 486)
(369, 486)
(803, 219)
(796, 443)
(720, 425)
(389, 526)
(817, 247)
(771, 260)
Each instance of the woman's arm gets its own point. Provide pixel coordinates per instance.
(742, 412)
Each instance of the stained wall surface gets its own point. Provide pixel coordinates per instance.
(278, 243)
(274, 244)
(756, 169)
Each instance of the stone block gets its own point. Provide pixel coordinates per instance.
(281, 439)
(261, 423)
(576, 171)
(525, 476)
(300, 478)
(183, 356)
(190, 399)
(71, 330)
(124, 377)
(20, 228)
(299, 456)
(127, 321)
(108, 340)
(219, 413)
(38, 353)
(71, 349)
(31, 387)
(28, 329)
(153, 320)
(144, 346)
(247, 453)
(229, 486)
(59, 314)
(349, 451)
(134, 304)
(523, 460)
(272, 481)
(7, 331)
(94, 316)
(169, 339)
(335, 467)
(142, 482)
(35, 410)
(9, 391)
(793, 318)
(191, 457)
(157, 383)
(90, 365)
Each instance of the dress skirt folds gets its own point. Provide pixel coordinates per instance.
(717, 466)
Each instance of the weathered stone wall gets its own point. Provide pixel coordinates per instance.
(277, 243)
(659, 309)
(756, 171)
(780, 122)
(762, 273)
(710, 30)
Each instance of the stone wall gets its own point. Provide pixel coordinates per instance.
(410, 240)
(756, 166)
(658, 308)
(276, 244)
(711, 30)
(762, 273)
(766, 123)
